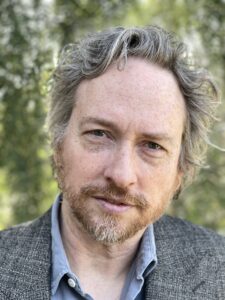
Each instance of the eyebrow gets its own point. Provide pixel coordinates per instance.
(160, 136)
(99, 121)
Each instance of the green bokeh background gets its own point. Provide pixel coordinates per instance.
(31, 35)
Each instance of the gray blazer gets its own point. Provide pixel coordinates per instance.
(191, 262)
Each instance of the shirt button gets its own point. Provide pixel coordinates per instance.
(71, 283)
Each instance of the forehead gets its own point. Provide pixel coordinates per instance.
(142, 93)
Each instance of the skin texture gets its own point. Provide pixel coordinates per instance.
(118, 166)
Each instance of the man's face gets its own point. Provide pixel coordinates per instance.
(118, 164)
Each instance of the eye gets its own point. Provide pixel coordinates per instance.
(95, 138)
(153, 146)
(97, 132)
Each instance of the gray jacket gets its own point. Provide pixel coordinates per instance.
(191, 262)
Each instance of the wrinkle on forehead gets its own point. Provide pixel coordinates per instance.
(142, 95)
(138, 75)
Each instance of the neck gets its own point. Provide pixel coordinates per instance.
(85, 253)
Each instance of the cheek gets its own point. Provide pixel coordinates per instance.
(81, 166)
(162, 181)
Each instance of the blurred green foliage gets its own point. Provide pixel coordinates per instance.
(31, 34)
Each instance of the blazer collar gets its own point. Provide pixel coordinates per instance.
(183, 261)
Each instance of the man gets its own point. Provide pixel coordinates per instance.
(128, 123)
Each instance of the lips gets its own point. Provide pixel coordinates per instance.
(119, 202)
(113, 205)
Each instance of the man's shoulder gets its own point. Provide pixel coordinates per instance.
(191, 262)
(25, 258)
(26, 232)
(181, 233)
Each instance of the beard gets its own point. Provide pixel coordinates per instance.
(106, 227)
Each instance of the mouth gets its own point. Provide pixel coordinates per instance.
(113, 205)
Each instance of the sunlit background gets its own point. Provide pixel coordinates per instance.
(32, 32)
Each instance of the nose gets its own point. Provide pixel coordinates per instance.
(121, 169)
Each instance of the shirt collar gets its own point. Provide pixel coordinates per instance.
(60, 264)
(143, 264)
(146, 259)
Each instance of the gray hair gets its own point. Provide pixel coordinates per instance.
(93, 55)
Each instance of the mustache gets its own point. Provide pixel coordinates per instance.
(117, 194)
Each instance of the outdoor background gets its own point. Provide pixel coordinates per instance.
(32, 32)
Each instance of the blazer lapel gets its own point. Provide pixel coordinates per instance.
(184, 270)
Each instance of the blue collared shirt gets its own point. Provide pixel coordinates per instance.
(66, 285)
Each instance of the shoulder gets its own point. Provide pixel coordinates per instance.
(25, 258)
(191, 261)
(181, 232)
(43, 221)
(182, 228)
(26, 235)
(182, 238)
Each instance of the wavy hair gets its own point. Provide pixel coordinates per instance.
(92, 56)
